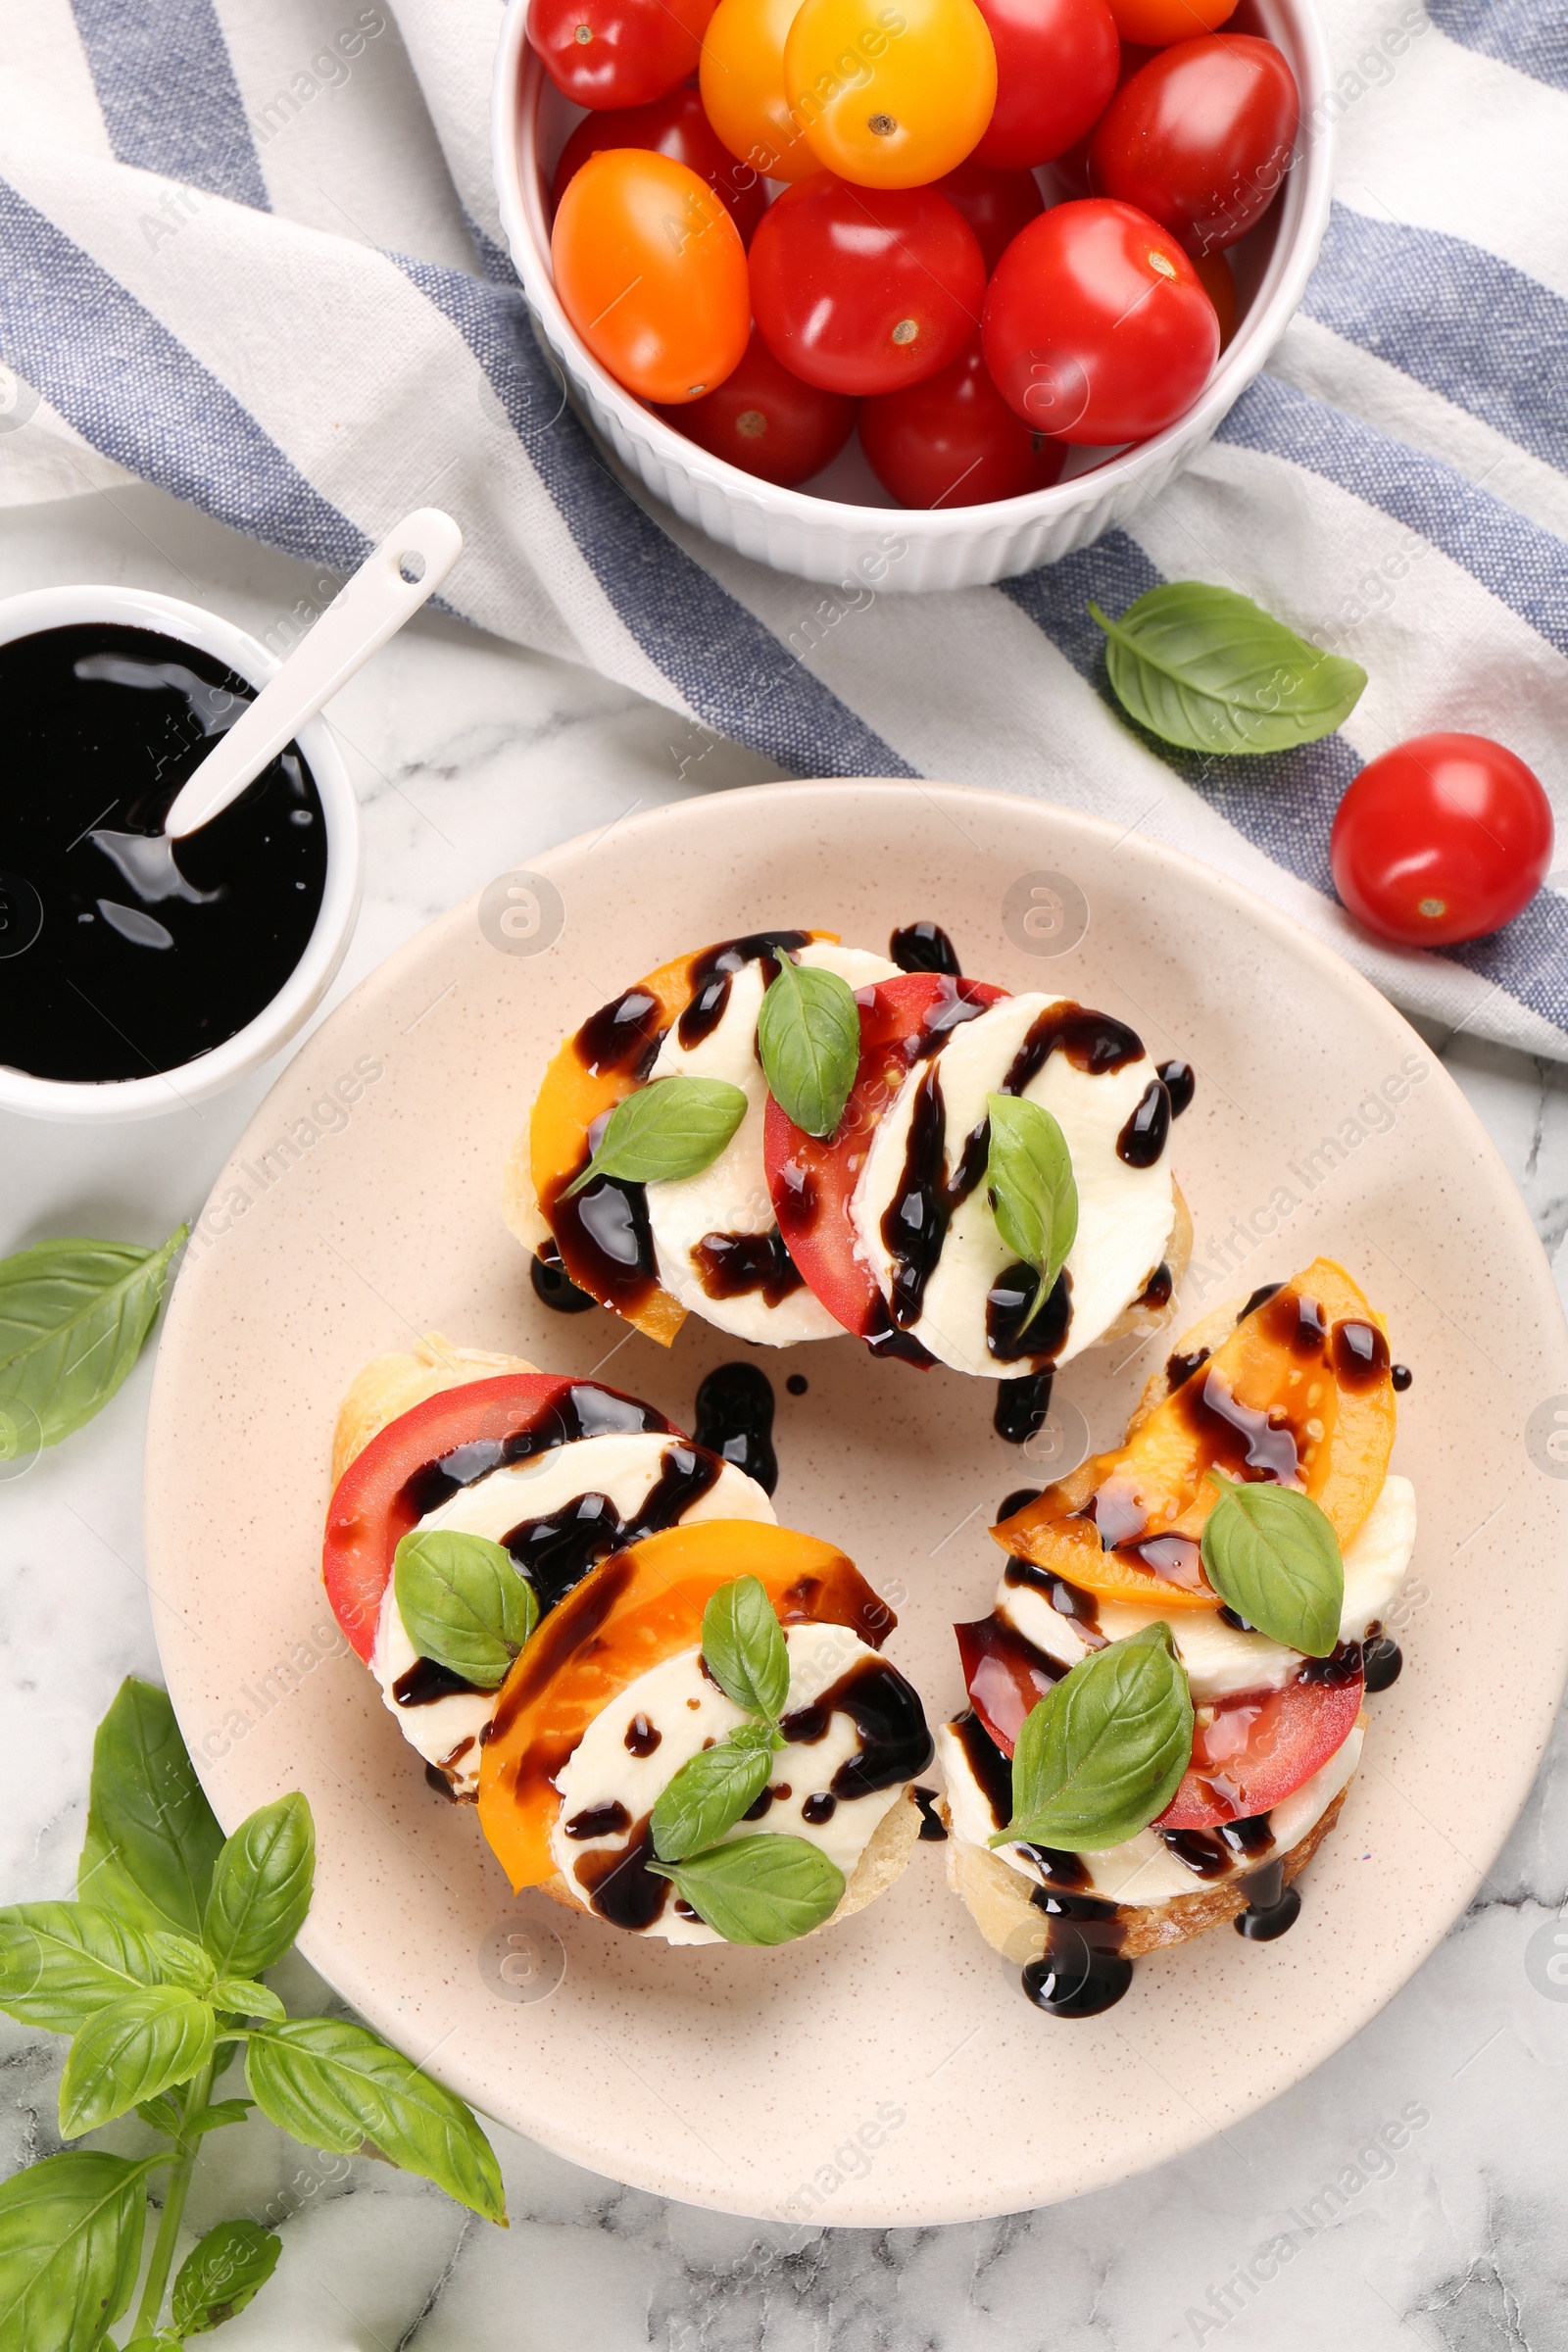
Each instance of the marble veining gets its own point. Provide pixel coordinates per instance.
(1411, 2192)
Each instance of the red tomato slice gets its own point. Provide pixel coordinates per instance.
(399, 1477)
(812, 1177)
(1259, 1748)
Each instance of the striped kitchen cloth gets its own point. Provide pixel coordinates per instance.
(249, 251)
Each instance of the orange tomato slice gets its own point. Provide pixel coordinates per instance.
(575, 1092)
(628, 1615)
(1299, 1393)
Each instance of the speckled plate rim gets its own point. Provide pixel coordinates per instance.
(821, 809)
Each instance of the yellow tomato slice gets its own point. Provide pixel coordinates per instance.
(1299, 1393)
(632, 1612)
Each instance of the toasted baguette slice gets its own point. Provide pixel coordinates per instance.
(886, 1858)
(391, 1385)
(1001, 1901)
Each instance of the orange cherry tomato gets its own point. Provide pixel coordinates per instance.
(741, 77)
(891, 96)
(652, 273)
(1158, 23)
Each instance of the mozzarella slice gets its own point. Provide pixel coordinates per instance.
(448, 1732)
(1146, 1869)
(1221, 1660)
(731, 1196)
(689, 1712)
(1125, 1214)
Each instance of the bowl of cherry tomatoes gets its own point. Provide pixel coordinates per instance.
(910, 293)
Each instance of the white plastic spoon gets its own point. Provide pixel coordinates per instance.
(388, 589)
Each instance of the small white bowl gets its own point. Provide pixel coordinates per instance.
(302, 992)
(822, 538)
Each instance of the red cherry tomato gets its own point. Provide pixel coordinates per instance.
(1057, 65)
(812, 1178)
(1200, 138)
(1161, 21)
(995, 205)
(1259, 1748)
(768, 421)
(864, 289)
(1095, 327)
(1071, 166)
(1445, 838)
(674, 125)
(952, 441)
(603, 53)
(376, 1501)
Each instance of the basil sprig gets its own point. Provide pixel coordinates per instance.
(670, 1128)
(73, 1318)
(1034, 1194)
(1103, 1752)
(153, 1973)
(462, 1602)
(808, 1037)
(1208, 669)
(1272, 1556)
(762, 1889)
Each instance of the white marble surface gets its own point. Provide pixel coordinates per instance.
(470, 757)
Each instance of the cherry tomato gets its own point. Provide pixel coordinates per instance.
(1095, 326)
(768, 421)
(376, 1501)
(890, 97)
(864, 289)
(603, 53)
(674, 125)
(952, 441)
(742, 80)
(1214, 276)
(652, 273)
(1200, 139)
(995, 205)
(1071, 166)
(1158, 23)
(1445, 838)
(1056, 64)
(1259, 1748)
(812, 1178)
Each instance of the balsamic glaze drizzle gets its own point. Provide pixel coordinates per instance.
(553, 1286)
(1181, 1085)
(924, 947)
(735, 1420)
(1022, 1405)
(732, 1265)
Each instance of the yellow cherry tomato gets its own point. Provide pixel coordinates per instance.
(741, 77)
(652, 273)
(891, 93)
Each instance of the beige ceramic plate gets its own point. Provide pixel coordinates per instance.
(889, 2072)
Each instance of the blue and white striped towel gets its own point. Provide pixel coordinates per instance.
(249, 251)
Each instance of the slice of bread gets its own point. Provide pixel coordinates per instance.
(391, 1385)
(1001, 1901)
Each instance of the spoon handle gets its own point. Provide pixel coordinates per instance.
(371, 607)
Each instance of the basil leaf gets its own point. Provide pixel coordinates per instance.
(464, 1602)
(131, 2051)
(672, 1127)
(1272, 1556)
(220, 2277)
(1034, 1194)
(1206, 668)
(1105, 1751)
(242, 1996)
(60, 1962)
(73, 1316)
(707, 1796)
(335, 2086)
(808, 1037)
(744, 1647)
(71, 2232)
(764, 1890)
(152, 1838)
(221, 2113)
(260, 1887)
(180, 1961)
(161, 2114)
